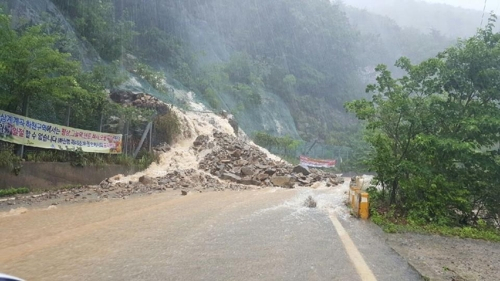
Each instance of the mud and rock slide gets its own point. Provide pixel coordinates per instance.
(207, 156)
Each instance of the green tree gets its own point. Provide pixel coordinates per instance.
(290, 81)
(432, 132)
(95, 21)
(286, 145)
(31, 68)
(34, 75)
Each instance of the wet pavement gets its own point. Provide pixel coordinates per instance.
(263, 234)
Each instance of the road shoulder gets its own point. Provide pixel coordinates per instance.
(448, 258)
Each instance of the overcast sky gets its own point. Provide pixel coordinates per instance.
(472, 4)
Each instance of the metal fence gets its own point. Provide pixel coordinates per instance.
(317, 150)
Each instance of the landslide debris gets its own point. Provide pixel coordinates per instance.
(228, 163)
(234, 160)
(215, 160)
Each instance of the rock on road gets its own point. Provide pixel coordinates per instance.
(264, 234)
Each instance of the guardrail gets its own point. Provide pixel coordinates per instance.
(358, 199)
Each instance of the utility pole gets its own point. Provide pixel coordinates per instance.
(25, 109)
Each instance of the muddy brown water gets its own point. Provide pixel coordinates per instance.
(44, 244)
(264, 234)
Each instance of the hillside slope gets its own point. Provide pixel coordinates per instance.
(449, 20)
(281, 67)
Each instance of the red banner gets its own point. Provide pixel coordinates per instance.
(317, 163)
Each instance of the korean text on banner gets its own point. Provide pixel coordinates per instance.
(317, 163)
(30, 132)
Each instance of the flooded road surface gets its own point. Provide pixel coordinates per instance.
(264, 234)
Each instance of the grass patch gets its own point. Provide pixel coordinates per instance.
(13, 191)
(60, 188)
(290, 159)
(482, 231)
(145, 159)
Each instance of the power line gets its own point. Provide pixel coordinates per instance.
(484, 10)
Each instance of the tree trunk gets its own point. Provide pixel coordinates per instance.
(126, 139)
(100, 123)
(26, 101)
(68, 115)
(150, 137)
(393, 192)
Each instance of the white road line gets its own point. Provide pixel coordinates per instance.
(359, 263)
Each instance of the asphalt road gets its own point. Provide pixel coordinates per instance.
(251, 235)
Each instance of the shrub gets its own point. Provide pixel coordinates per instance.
(167, 127)
(212, 98)
(9, 160)
(13, 191)
(146, 158)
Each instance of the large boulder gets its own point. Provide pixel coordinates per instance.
(162, 147)
(121, 96)
(282, 181)
(234, 125)
(230, 177)
(247, 171)
(146, 180)
(249, 181)
(299, 169)
(201, 140)
(140, 100)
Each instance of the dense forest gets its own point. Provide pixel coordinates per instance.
(451, 21)
(434, 134)
(313, 55)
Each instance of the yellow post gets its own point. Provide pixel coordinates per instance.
(352, 185)
(357, 199)
(354, 190)
(361, 183)
(364, 211)
(358, 179)
(353, 182)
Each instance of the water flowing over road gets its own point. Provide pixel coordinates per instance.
(264, 234)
